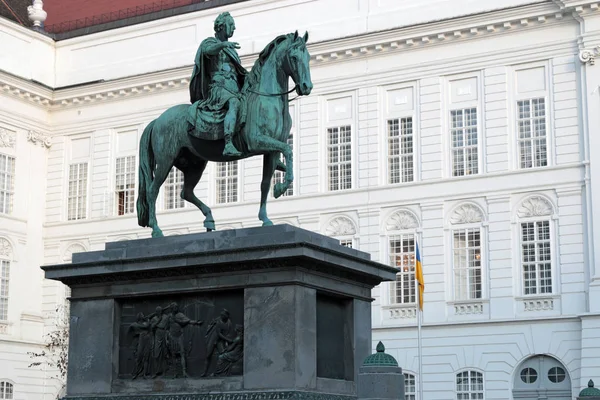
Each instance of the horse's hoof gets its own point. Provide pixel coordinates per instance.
(210, 226)
(267, 222)
(279, 190)
(158, 233)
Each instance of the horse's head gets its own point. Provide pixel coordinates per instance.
(297, 64)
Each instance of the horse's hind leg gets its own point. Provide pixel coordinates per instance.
(191, 177)
(160, 174)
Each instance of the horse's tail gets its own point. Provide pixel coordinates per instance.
(146, 172)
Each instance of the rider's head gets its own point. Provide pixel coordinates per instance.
(221, 21)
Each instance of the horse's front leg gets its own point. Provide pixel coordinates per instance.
(266, 144)
(269, 164)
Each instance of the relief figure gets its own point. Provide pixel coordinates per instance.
(178, 321)
(142, 345)
(218, 336)
(232, 357)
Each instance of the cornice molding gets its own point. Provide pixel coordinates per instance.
(398, 40)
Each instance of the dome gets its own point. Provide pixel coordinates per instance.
(380, 359)
(590, 391)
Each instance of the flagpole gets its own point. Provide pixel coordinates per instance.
(420, 351)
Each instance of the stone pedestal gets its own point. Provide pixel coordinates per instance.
(298, 320)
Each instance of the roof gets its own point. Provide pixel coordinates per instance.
(590, 391)
(15, 10)
(80, 17)
(380, 359)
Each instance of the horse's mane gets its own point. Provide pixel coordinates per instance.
(254, 76)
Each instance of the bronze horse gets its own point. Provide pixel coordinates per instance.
(166, 142)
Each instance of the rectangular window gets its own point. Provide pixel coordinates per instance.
(279, 177)
(227, 182)
(4, 279)
(466, 250)
(125, 185)
(346, 243)
(400, 150)
(532, 133)
(536, 257)
(7, 183)
(402, 256)
(464, 142)
(410, 387)
(339, 157)
(77, 198)
(173, 187)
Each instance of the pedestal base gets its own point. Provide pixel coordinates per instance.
(278, 312)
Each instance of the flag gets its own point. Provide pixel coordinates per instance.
(419, 273)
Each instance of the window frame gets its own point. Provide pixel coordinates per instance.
(78, 195)
(166, 187)
(8, 261)
(90, 167)
(392, 110)
(3, 385)
(239, 184)
(415, 393)
(553, 273)
(514, 96)
(448, 106)
(531, 139)
(114, 187)
(469, 393)
(324, 124)
(10, 192)
(482, 261)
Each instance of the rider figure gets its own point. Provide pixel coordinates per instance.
(218, 76)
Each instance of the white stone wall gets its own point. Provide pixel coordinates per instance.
(373, 61)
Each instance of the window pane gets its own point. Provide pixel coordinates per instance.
(279, 177)
(173, 187)
(536, 257)
(125, 185)
(77, 191)
(339, 157)
(4, 288)
(7, 179)
(464, 142)
(467, 264)
(531, 122)
(402, 256)
(400, 150)
(227, 182)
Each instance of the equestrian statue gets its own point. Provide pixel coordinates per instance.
(235, 114)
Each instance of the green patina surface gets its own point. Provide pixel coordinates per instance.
(380, 358)
(590, 391)
(234, 114)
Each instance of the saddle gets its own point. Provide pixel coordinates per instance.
(207, 123)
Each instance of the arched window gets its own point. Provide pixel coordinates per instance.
(401, 229)
(6, 390)
(469, 385)
(343, 229)
(535, 237)
(410, 386)
(467, 252)
(5, 259)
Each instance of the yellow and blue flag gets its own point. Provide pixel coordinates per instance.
(419, 276)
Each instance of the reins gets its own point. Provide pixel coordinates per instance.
(275, 94)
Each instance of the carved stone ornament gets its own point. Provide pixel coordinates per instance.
(466, 214)
(534, 207)
(588, 56)
(7, 139)
(341, 226)
(74, 248)
(5, 248)
(39, 138)
(401, 220)
(163, 341)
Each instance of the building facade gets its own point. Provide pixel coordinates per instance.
(464, 128)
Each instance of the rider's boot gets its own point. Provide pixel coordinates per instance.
(230, 149)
